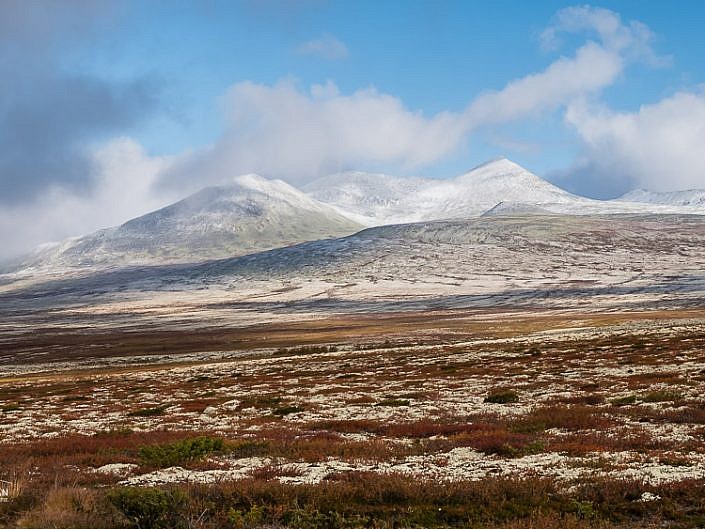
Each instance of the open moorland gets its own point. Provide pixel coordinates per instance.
(454, 418)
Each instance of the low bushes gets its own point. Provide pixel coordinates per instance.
(151, 508)
(70, 508)
(352, 500)
(179, 452)
(504, 396)
(148, 412)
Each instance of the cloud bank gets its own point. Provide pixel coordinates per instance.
(123, 178)
(658, 147)
(50, 117)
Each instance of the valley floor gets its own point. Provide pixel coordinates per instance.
(529, 417)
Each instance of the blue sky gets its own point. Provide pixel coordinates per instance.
(434, 56)
(165, 97)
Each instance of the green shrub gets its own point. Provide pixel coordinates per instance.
(260, 402)
(148, 412)
(150, 508)
(282, 411)
(179, 452)
(240, 449)
(307, 519)
(627, 400)
(246, 519)
(506, 396)
(661, 396)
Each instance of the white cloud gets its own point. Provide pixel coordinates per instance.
(659, 147)
(632, 39)
(327, 47)
(590, 70)
(122, 190)
(282, 131)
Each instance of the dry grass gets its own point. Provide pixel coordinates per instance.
(71, 508)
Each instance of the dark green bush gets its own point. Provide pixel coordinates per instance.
(150, 508)
(148, 412)
(179, 452)
(502, 397)
(282, 411)
(624, 401)
(662, 396)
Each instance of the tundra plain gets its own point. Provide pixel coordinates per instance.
(369, 391)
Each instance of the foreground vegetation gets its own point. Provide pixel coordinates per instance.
(603, 427)
(362, 500)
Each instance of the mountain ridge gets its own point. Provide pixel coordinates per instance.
(248, 214)
(686, 197)
(467, 195)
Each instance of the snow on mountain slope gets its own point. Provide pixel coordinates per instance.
(636, 261)
(691, 197)
(516, 209)
(377, 199)
(252, 214)
(249, 214)
(569, 247)
(374, 199)
(476, 191)
(370, 198)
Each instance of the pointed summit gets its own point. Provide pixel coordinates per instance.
(497, 169)
(498, 165)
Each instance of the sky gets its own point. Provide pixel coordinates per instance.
(110, 109)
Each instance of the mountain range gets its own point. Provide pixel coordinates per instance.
(251, 214)
(378, 199)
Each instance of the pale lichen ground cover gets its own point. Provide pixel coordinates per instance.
(636, 384)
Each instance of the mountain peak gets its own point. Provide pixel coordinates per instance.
(255, 182)
(501, 165)
(380, 199)
(504, 173)
(246, 215)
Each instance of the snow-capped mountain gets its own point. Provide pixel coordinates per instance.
(377, 199)
(371, 198)
(250, 214)
(485, 186)
(691, 197)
